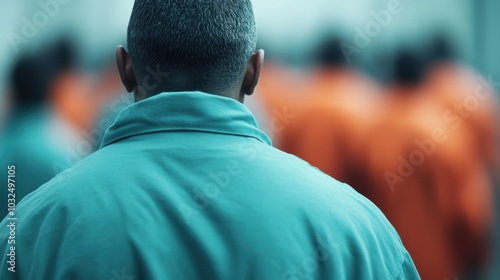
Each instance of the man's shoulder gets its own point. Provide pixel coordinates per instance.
(337, 214)
(298, 181)
(68, 188)
(67, 204)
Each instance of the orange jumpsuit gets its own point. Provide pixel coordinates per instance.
(330, 129)
(474, 100)
(278, 99)
(426, 176)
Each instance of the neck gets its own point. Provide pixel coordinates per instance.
(141, 95)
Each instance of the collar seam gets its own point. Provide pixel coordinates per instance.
(167, 130)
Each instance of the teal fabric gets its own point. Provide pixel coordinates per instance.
(185, 186)
(27, 144)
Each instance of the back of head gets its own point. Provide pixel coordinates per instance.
(408, 68)
(329, 54)
(33, 74)
(182, 45)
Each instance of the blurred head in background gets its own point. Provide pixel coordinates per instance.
(409, 68)
(48, 79)
(329, 54)
(33, 75)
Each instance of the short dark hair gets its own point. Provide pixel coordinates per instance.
(409, 68)
(203, 39)
(33, 74)
(329, 53)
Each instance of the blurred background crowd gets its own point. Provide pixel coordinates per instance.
(397, 98)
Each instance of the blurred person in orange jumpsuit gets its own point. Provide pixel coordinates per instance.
(280, 96)
(330, 130)
(428, 179)
(86, 102)
(83, 100)
(468, 97)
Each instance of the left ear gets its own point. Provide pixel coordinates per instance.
(252, 75)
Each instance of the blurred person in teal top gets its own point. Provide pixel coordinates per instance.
(185, 186)
(30, 140)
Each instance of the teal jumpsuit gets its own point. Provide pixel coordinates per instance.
(185, 186)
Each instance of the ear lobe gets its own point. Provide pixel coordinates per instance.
(126, 69)
(252, 76)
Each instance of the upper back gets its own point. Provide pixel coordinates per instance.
(205, 205)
